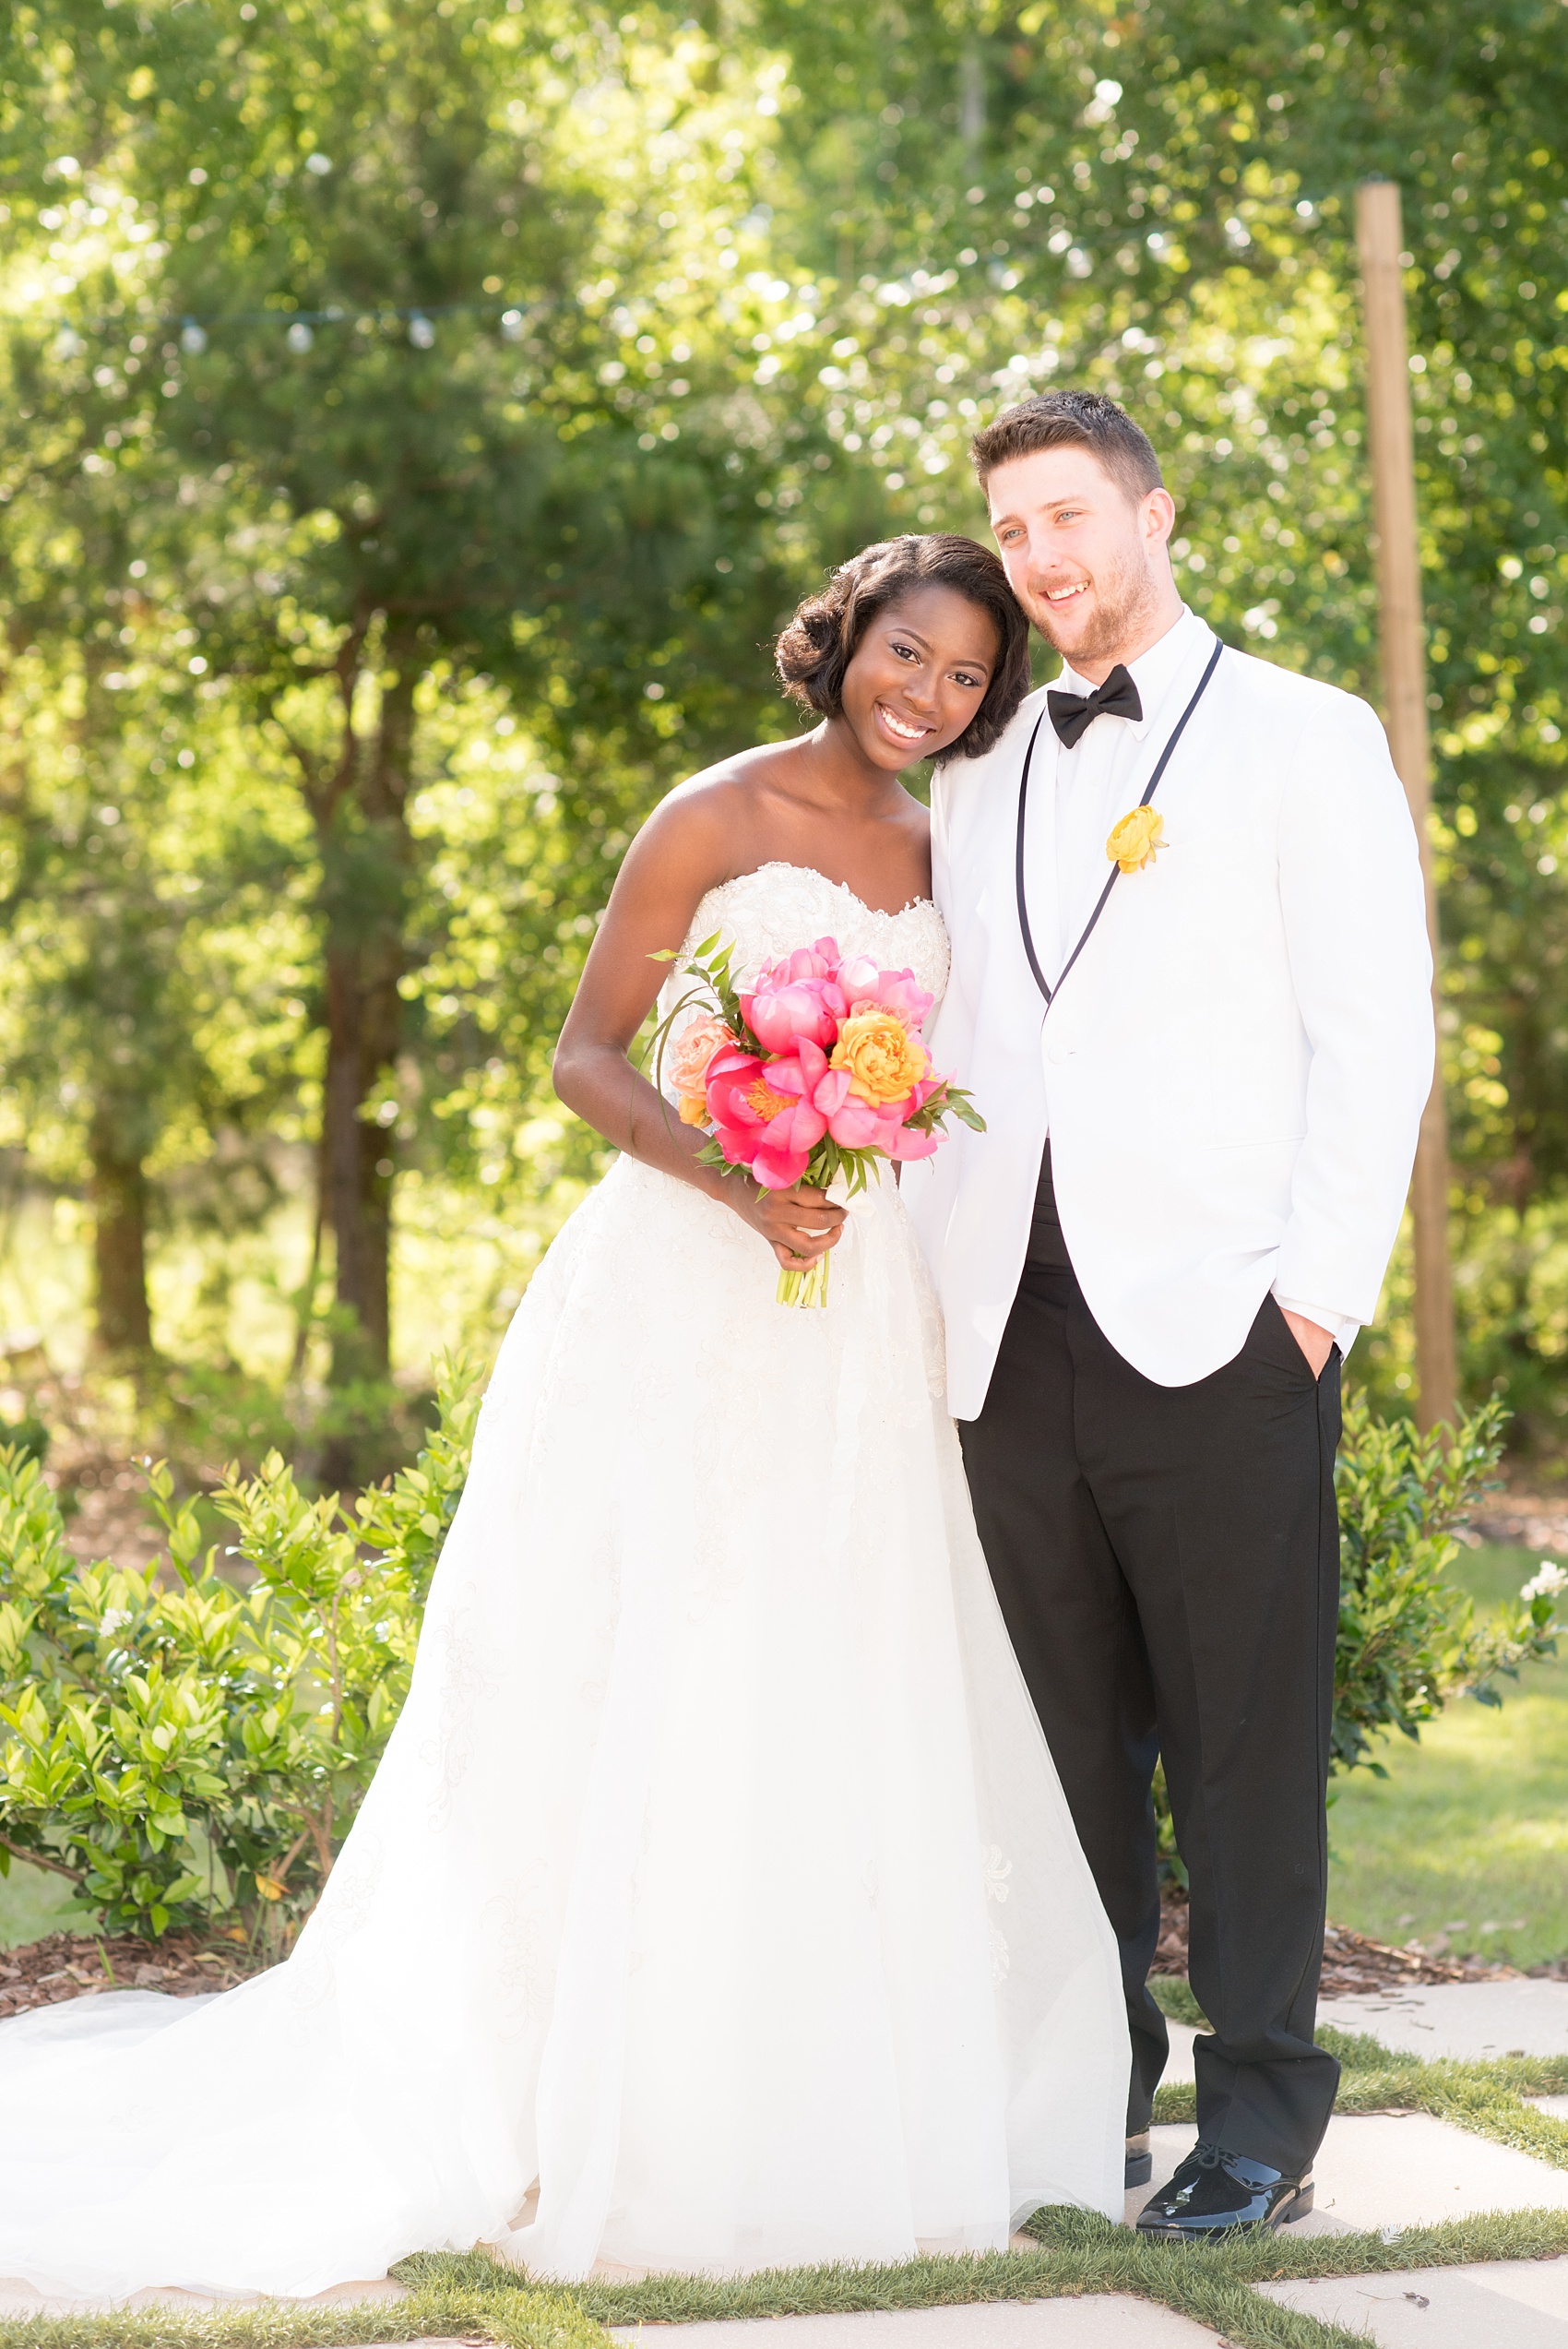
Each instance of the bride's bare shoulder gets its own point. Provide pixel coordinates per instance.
(710, 817)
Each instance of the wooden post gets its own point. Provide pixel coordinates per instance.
(1380, 237)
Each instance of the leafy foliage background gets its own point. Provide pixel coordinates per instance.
(418, 416)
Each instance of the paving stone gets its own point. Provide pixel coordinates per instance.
(1112, 2321)
(1517, 2304)
(1471, 2019)
(1179, 2064)
(1556, 2105)
(1377, 2170)
(1535, 2283)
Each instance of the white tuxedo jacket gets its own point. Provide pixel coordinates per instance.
(1234, 1072)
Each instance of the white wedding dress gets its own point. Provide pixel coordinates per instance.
(716, 1905)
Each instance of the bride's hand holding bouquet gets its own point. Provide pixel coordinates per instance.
(808, 1081)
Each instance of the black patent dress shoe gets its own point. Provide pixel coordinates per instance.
(1215, 2193)
(1140, 2161)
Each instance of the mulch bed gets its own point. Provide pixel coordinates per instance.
(1353, 1962)
(77, 1965)
(1522, 1520)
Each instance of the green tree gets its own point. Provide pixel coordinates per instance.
(117, 859)
(407, 247)
(696, 315)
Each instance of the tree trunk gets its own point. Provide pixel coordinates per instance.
(362, 1040)
(117, 1194)
(366, 863)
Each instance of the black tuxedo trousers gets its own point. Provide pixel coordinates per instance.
(1167, 1562)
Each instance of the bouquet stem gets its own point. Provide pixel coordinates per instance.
(803, 1287)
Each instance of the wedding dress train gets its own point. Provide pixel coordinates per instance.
(716, 1905)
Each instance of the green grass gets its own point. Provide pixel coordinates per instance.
(1469, 1830)
(1174, 1997)
(1488, 2099)
(526, 2317)
(472, 2297)
(33, 1903)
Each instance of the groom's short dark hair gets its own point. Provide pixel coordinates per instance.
(1072, 420)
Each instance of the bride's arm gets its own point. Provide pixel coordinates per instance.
(679, 855)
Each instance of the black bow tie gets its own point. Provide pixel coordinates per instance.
(1071, 713)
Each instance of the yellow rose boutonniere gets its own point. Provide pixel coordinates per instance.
(1134, 840)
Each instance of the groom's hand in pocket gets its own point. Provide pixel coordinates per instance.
(1311, 1336)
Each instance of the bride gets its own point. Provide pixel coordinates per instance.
(716, 1905)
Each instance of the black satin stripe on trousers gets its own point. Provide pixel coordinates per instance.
(1167, 1562)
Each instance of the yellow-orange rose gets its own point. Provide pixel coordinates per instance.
(1133, 840)
(884, 1059)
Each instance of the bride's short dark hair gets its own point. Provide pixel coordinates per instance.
(820, 643)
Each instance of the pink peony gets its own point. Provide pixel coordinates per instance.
(909, 1141)
(861, 1125)
(770, 1115)
(862, 981)
(796, 997)
(761, 1123)
(779, 1018)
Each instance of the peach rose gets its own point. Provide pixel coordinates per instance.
(884, 1059)
(689, 1062)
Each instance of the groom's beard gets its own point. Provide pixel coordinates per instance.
(1124, 601)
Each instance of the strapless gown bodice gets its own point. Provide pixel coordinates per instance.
(778, 907)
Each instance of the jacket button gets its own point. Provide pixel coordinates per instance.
(1058, 1053)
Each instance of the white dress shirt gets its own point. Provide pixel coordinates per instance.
(1100, 780)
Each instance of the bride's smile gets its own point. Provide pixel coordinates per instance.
(912, 730)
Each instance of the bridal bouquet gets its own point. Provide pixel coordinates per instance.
(815, 1075)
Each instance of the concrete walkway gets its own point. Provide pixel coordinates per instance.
(1478, 2021)
(1517, 2304)
(1113, 2321)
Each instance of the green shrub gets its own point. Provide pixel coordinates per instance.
(191, 1752)
(29, 1436)
(189, 1746)
(1408, 1643)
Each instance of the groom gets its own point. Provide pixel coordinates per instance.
(1200, 1038)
